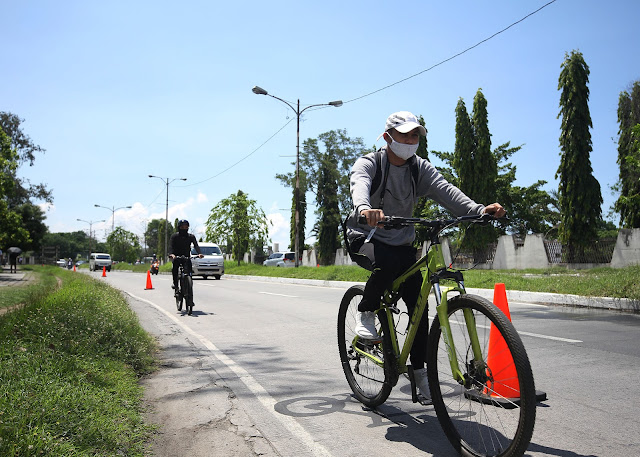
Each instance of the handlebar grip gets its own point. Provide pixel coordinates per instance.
(362, 219)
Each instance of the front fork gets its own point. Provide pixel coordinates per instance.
(442, 311)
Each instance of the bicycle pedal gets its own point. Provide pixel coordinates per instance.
(423, 400)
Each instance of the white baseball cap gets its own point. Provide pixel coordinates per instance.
(403, 122)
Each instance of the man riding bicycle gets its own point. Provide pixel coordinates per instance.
(180, 245)
(387, 253)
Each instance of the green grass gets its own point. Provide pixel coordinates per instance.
(597, 282)
(70, 361)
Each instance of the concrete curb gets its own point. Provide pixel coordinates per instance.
(543, 298)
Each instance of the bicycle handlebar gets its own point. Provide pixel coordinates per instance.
(394, 222)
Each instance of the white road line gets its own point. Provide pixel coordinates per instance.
(280, 295)
(261, 394)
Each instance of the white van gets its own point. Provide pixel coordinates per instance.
(97, 260)
(212, 264)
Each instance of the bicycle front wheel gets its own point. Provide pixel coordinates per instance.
(180, 293)
(492, 411)
(188, 294)
(365, 364)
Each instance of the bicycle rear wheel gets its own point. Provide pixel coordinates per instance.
(188, 294)
(493, 412)
(369, 381)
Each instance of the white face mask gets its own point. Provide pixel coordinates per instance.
(404, 151)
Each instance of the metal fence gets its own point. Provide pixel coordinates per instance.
(464, 258)
(600, 251)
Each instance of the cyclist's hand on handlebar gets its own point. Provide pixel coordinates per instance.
(200, 255)
(495, 209)
(373, 216)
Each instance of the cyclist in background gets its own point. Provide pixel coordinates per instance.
(387, 253)
(180, 245)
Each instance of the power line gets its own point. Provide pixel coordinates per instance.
(381, 89)
(244, 158)
(452, 57)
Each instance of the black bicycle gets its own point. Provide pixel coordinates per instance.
(184, 292)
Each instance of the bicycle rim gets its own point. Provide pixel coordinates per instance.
(368, 380)
(493, 413)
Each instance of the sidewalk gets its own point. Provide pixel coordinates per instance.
(20, 278)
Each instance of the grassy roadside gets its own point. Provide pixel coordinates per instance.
(70, 360)
(597, 282)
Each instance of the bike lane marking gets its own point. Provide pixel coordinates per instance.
(267, 401)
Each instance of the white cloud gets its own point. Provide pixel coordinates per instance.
(279, 230)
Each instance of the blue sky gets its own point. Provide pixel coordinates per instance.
(115, 91)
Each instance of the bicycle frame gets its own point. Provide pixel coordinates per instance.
(433, 262)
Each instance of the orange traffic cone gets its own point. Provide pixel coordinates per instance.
(501, 367)
(104, 272)
(74, 268)
(149, 286)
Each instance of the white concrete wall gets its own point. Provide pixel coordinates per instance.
(531, 255)
(627, 250)
(309, 258)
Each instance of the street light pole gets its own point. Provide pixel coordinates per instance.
(113, 210)
(90, 226)
(167, 181)
(260, 91)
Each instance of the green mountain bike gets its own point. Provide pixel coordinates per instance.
(480, 379)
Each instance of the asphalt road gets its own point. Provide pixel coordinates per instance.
(272, 351)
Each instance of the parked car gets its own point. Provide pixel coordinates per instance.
(61, 263)
(212, 264)
(281, 259)
(98, 260)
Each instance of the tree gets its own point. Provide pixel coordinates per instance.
(628, 203)
(579, 193)
(328, 210)
(12, 233)
(344, 152)
(237, 222)
(154, 236)
(123, 245)
(464, 147)
(20, 223)
(289, 180)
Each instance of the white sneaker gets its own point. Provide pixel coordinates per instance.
(422, 383)
(366, 325)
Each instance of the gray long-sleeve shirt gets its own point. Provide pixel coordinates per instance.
(401, 196)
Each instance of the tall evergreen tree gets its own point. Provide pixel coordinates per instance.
(484, 163)
(464, 147)
(328, 210)
(628, 203)
(579, 193)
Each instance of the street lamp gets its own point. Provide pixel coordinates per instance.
(90, 225)
(167, 181)
(113, 210)
(260, 91)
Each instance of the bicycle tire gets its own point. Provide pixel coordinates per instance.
(188, 293)
(179, 294)
(371, 384)
(486, 416)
